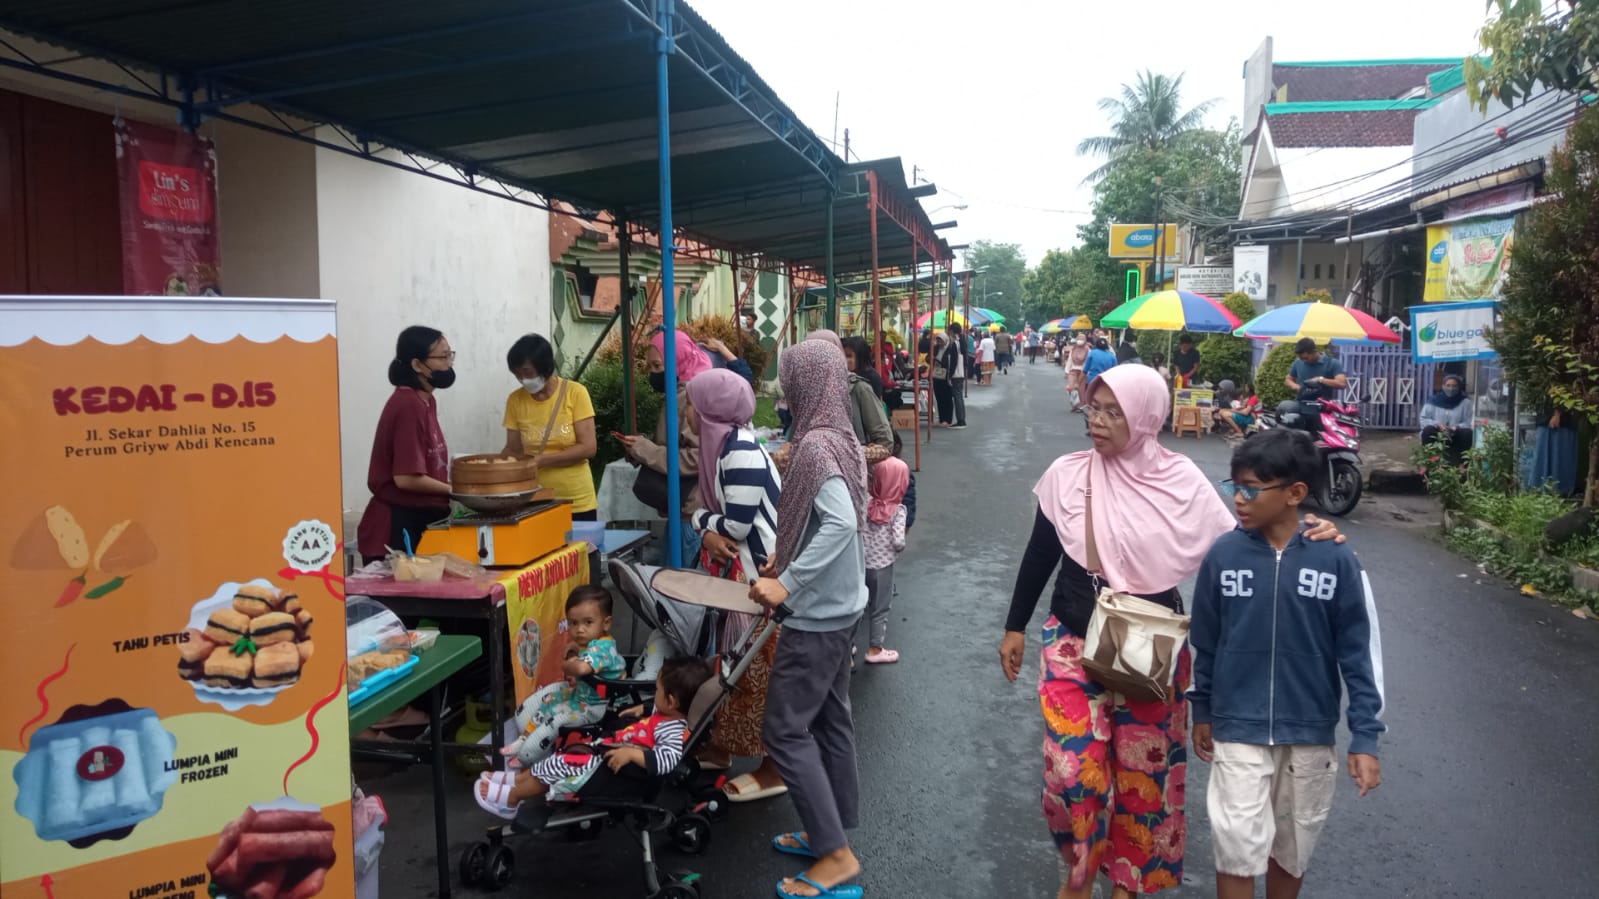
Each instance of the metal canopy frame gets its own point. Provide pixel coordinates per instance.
(505, 97)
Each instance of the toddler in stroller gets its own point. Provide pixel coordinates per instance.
(577, 701)
(654, 744)
(622, 783)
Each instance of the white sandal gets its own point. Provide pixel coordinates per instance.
(492, 800)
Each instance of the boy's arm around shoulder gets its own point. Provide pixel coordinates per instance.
(1359, 646)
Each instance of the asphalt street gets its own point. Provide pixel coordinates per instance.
(1491, 787)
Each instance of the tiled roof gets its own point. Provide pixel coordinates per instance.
(1356, 81)
(1383, 128)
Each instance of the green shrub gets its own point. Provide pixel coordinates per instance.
(1444, 480)
(604, 382)
(1273, 371)
(1224, 358)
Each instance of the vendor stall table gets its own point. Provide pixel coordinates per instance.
(448, 656)
(452, 600)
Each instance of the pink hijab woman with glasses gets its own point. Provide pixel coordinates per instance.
(1138, 518)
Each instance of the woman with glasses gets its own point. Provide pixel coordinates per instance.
(1137, 518)
(409, 473)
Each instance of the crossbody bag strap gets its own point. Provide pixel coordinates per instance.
(560, 398)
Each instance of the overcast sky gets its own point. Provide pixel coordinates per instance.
(991, 98)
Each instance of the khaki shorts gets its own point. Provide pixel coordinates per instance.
(1269, 802)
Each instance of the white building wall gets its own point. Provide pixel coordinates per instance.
(266, 207)
(398, 249)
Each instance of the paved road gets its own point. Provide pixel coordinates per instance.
(1492, 787)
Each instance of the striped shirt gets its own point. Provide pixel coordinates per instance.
(747, 486)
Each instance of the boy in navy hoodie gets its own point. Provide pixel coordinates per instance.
(1277, 621)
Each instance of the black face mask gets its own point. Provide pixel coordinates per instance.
(658, 381)
(441, 379)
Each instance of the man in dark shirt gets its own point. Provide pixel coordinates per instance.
(1187, 360)
(1313, 376)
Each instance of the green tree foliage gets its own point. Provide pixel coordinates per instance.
(1199, 175)
(1147, 117)
(1529, 49)
(1223, 356)
(1548, 334)
(1069, 283)
(604, 382)
(1002, 282)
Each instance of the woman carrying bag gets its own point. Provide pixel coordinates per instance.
(1137, 518)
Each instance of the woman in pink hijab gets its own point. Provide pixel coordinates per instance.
(1134, 516)
(652, 454)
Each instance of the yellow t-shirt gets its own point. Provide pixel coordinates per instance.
(528, 416)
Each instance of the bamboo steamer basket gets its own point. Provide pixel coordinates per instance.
(492, 473)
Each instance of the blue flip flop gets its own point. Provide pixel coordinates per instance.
(842, 891)
(803, 850)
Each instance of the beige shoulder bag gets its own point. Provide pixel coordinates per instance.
(1131, 645)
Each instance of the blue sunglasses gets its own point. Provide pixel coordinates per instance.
(1250, 494)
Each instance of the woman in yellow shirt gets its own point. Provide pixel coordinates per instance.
(563, 458)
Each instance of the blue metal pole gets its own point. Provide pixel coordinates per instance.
(664, 47)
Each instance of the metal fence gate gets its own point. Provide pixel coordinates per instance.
(1388, 385)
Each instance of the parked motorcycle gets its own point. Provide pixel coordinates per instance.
(1335, 426)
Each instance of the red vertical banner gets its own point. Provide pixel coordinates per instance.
(168, 184)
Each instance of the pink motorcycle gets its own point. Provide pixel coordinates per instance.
(1336, 429)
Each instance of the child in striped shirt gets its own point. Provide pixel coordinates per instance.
(654, 744)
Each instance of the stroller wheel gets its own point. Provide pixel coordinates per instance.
(498, 868)
(474, 864)
(677, 891)
(691, 834)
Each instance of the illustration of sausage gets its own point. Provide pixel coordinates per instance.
(264, 848)
(283, 821)
(310, 886)
(225, 846)
(269, 884)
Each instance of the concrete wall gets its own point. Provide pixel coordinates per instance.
(398, 249)
(266, 201)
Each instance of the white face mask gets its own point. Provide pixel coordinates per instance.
(533, 385)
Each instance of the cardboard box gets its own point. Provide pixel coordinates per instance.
(904, 419)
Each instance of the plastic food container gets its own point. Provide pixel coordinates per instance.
(423, 638)
(590, 532)
(418, 569)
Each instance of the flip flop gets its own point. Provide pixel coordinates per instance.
(493, 803)
(803, 850)
(883, 657)
(753, 791)
(841, 891)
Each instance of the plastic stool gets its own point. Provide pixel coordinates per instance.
(1189, 418)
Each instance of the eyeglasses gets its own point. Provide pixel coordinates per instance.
(1093, 411)
(447, 357)
(1250, 494)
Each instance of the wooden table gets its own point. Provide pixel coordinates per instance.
(448, 656)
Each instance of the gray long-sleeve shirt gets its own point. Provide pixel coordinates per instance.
(826, 582)
(1458, 417)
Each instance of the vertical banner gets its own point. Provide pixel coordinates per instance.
(167, 181)
(1468, 260)
(1451, 332)
(173, 713)
(1252, 271)
(535, 612)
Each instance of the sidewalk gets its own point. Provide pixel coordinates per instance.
(1385, 456)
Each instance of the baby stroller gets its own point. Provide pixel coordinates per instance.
(685, 607)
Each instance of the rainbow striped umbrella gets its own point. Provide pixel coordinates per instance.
(1080, 323)
(1172, 310)
(980, 313)
(938, 319)
(1055, 326)
(1319, 321)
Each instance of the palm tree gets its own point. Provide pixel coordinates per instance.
(1147, 116)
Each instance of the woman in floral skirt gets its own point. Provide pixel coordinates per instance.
(1138, 518)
